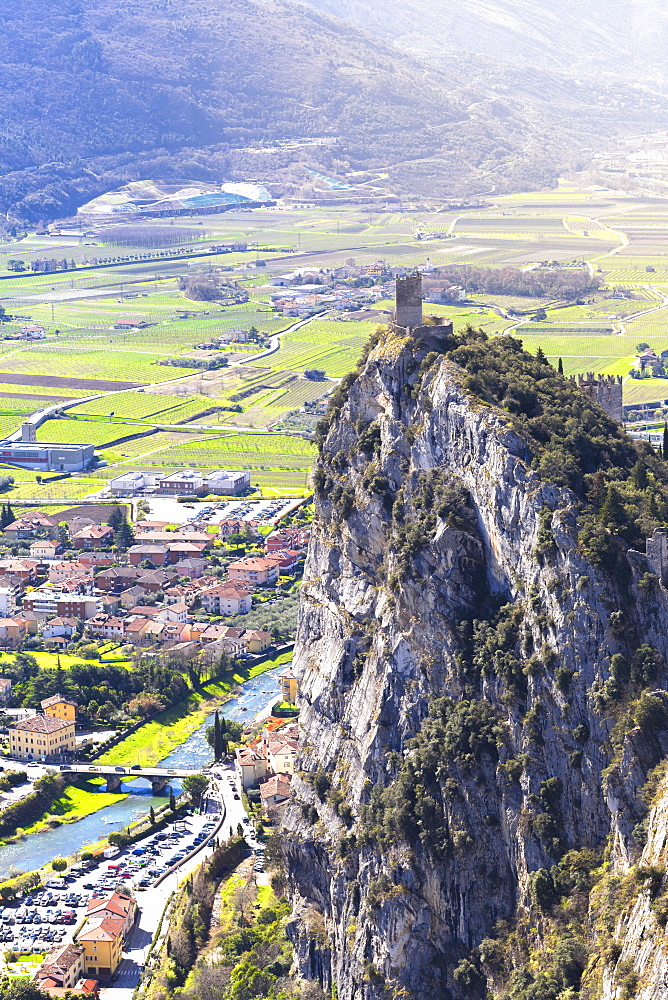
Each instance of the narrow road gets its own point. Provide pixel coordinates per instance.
(152, 902)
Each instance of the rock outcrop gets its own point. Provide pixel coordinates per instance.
(452, 654)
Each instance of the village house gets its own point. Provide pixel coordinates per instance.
(106, 627)
(24, 570)
(251, 766)
(155, 554)
(177, 612)
(115, 905)
(94, 536)
(288, 686)
(5, 690)
(61, 571)
(8, 599)
(64, 966)
(281, 753)
(227, 599)
(153, 581)
(43, 549)
(132, 596)
(256, 571)
(191, 567)
(116, 579)
(59, 707)
(12, 632)
(61, 628)
(275, 790)
(31, 526)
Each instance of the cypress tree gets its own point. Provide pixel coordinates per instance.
(639, 475)
(665, 439)
(217, 738)
(151, 816)
(172, 801)
(560, 367)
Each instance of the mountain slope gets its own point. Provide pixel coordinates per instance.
(96, 94)
(481, 656)
(604, 36)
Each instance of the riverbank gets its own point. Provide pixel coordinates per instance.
(153, 741)
(73, 805)
(241, 697)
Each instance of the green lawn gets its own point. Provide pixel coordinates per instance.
(156, 739)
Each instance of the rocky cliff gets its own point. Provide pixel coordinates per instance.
(481, 659)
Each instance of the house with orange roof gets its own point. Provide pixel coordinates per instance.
(102, 942)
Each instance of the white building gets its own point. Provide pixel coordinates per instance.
(131, 482)
(228, 482)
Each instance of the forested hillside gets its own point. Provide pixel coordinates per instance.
(98, 93)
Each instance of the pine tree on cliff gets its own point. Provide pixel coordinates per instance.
(612, 512)
(540, 356)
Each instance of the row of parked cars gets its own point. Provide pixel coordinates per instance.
(36, 922)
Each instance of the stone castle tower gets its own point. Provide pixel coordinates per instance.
(656, 548)
(606, 390)
(408, 301)
(408, 314)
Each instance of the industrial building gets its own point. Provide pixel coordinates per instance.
(46, 457)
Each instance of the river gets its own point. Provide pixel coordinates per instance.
(37, 850)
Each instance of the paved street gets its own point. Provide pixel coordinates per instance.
(152, 902)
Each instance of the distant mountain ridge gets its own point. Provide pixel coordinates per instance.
(629, 36)
(99, 93)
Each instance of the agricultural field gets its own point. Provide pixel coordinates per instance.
(621, 238)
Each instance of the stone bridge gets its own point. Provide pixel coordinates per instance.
(114, 774)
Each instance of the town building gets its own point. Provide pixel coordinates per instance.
(130, 483)
(227, 482)
(59, 707)
(183, 482)
(102, 942)
(41, 736)
(61, 604)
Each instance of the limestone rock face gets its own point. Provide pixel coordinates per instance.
(395, 571)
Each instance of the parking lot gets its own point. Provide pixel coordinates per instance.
(213, 512)
(50, 915)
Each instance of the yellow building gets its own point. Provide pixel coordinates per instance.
(59, 707)
(103, 945)
(288, 686)
(41, 736)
